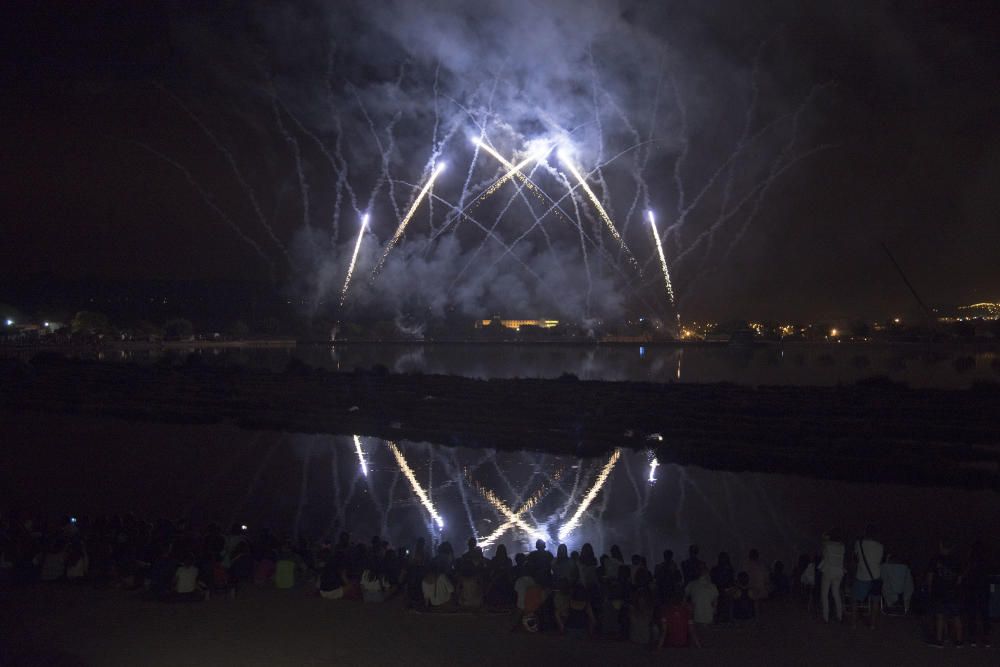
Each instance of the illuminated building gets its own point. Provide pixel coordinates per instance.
(517, 324)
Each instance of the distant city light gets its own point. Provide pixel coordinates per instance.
(834, 333)
(10, 322)
(895, 320)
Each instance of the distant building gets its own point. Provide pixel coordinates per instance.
(516, 324)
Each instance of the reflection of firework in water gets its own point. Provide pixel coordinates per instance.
(414, 484)
(599, 481)
(354, 259)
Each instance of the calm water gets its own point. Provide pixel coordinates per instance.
(317, 485)
(791, 364)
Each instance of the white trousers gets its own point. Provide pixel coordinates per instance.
(831, 585)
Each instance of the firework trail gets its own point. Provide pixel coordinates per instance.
(233, 165)
(599, 481)
(597, 205)
(406, 219)
(361, 456)
(207, 198)
(297, 155)
(414, 484)
(354, 260)
(663, 259)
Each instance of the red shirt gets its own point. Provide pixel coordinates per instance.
(675, 620)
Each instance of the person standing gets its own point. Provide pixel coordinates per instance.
(832, 569)
(868, 553)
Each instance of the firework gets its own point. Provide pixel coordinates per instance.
(354, 259)
(361, 456)
(652, 469)
(599, 481)
(597, 205)
(663, 259)
(414, 484)
(406, 219)
(512, 169)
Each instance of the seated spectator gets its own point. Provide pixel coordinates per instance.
(640, 617)
(77, 563)
(580, 618)
(331, 579)
(703, 596)
(667, 577)
(677, 628)
(186, 585)
(744, 603)
(500, 586)
(286, 568)
(374, 587)
(437, 588)
(691, 568)
(53, 562)
(241, 567)
(470, 589)
(780, 586)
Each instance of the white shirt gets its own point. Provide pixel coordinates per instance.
(438, 592)
(703, 595)
(833, 558)
(187, 579)
(873, 554)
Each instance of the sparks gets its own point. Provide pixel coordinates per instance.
(361, 456)
(565, 158)
(599, 481)
(663, 259)
(409, 214)
(354, 259)
(414, 484)
(652, 470)
(512, 169)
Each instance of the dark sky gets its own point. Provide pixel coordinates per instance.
(898, 99)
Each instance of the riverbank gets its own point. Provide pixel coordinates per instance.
(870, 431)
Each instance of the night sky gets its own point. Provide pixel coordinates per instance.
(898, 101)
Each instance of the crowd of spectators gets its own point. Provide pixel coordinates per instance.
(576, 593)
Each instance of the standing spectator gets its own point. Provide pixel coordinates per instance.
(667, 577)
(780, 586)
(832, 572)
(976, 592)
(744, 604)
(691, 568)
(759, 576)
(868, 553)
(943, 579)
(724, 578)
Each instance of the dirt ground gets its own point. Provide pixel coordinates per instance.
(66, 625)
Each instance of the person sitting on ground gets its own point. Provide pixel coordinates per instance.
(53, 561)
(780, 586)
(677, 628)
(943, 584)
(437, 588)
(77, 563)
(374, 586)
(640, 617)
(704, 596)
(615, 561)
(587, 568)
(691, 568)
(759, 576)
(240, 567)
(868, 553)
(744, 604)
(580, 617)
(564, 577)
(331, 578)
(287, 567)
(523, 582)
(470, 585)
(187, 585)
